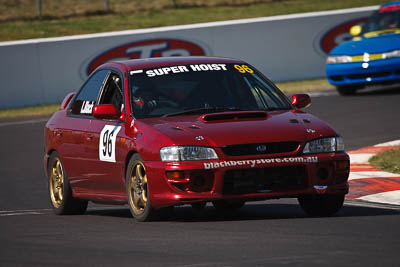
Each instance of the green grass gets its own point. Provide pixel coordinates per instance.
(41, 110)
(305, 86)
(388, 161)
(70, 17)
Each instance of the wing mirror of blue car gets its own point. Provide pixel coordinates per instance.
(106, 112)
(301, 100)
(355, 30)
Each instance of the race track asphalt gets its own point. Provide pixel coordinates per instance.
(267, 233)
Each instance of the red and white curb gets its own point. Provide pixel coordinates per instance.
(370, 184)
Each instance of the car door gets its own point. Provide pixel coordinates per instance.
(104, 143)
(73, 131)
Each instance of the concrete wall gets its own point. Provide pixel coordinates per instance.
(42, 71)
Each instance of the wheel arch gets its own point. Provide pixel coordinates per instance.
(46, 161)
(49, 154)
(127, 159)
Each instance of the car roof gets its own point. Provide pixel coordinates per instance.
(134, 64)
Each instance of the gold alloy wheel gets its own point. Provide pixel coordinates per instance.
(138, 193)
(56, 183)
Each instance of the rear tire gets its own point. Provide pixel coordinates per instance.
(321, 205)
(60, 190)
(346, 90)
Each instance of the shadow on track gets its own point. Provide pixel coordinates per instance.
(376, 91)
(248, 212)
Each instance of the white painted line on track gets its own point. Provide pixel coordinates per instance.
(192, 26)
(20, 213)
(375, 205)
(34, 210)
(391, 143)
(11, 123)
(322, 93)
(360, 158)
(4, 213)
(392, 197)
(369, 174)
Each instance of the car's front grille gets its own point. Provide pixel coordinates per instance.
(260, 148)
(336, 78)
(263, 180)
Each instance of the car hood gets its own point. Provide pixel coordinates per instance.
(217, 130)
(377, 44)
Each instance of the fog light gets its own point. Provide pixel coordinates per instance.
(175, 175)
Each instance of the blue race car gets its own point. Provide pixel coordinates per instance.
(372, 57)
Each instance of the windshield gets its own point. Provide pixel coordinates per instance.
(384, 19)
(202, 88)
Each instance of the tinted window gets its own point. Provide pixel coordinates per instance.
(87, 96)
(383, 20)
(112, 92)
(165, 91)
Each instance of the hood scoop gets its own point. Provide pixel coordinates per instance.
(234, 116)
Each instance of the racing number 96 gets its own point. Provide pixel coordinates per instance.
(243, 68)
(108, 138)
(107, 143)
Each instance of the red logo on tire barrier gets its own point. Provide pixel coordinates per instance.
(146, 49)
(338, 34)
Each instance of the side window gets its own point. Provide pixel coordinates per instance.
(86, 99)
(112, 92)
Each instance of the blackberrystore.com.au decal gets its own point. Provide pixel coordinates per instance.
(254, 162)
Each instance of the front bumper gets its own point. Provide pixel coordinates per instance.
(247, 179)
(378, 72)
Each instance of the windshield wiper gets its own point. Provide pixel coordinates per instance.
(202, 111)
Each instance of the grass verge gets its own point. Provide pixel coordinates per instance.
(86, 20)
(41, 110)
(46, 110)
(305, 86)
(388, 161)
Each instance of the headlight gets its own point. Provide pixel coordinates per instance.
(392, 54)
(338, 59)
(330, 144)
(181, 153)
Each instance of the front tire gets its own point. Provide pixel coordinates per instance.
(321, 205)
(60, 190)
(138, 190)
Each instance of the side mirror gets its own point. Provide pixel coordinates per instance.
(355, 30)
(301, 100)
(106, 112)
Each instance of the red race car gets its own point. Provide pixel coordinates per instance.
(155, 133)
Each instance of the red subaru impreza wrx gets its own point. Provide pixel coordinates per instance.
(155, 133)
